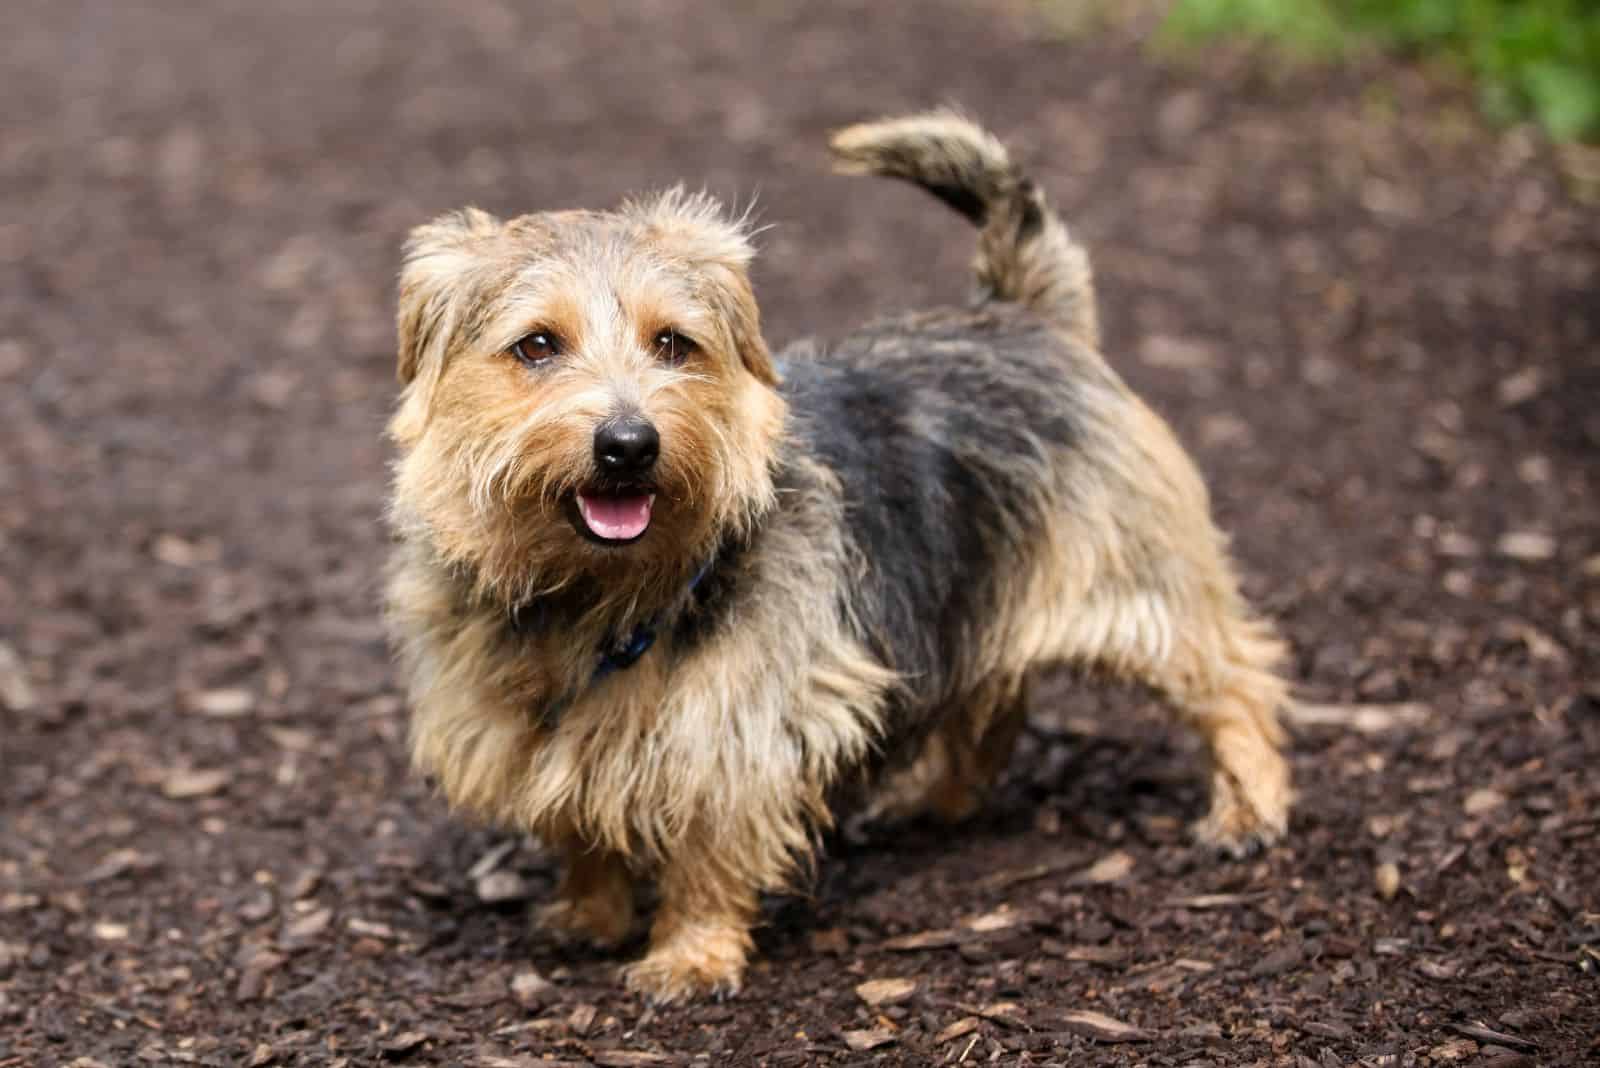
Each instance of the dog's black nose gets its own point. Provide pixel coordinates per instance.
(626, 446)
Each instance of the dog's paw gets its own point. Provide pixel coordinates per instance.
(1244, 819)
(1233, 837)
(711, 965)
(605, 924)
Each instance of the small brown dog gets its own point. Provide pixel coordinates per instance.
(660, 597)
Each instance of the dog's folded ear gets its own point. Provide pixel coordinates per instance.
(438, 255)
(736, 303)
(439, 260)
(696, 228)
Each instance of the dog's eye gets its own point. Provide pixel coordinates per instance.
(673, 347)
(536, 348)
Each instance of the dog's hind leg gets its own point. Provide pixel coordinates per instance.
(960, 758)
(1236, 711)
(1217, 667)
(1225, 687)
(595, 899)
(1137, 581)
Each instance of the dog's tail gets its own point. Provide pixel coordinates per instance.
(1024, 251)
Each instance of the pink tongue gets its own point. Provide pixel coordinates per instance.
(616, 518)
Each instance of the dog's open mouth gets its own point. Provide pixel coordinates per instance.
(615, 516)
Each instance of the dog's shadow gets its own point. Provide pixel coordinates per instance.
(1094, 766)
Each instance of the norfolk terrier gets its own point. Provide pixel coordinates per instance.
(663, 599)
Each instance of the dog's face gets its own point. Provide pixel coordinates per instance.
(585, 393)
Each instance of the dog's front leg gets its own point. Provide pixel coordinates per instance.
(700, 938)
(595, 901)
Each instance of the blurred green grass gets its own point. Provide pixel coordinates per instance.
(1528, 58)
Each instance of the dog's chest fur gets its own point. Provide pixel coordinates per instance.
(917, 471)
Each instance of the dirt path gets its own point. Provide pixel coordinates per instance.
(1376, 325)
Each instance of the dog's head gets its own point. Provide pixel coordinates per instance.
(585, 393)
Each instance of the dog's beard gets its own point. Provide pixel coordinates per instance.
(502, 496)
(542, 523)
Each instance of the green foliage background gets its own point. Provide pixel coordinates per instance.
(1528, 57)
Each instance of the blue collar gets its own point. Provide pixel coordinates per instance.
(620, 656)
(613, 655)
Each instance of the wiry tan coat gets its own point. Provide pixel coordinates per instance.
(1074, 529)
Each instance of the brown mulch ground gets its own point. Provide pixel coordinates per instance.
(1375, 322)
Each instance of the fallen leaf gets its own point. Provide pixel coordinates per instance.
(1526, 545)
(624, 1058)
(491, 860)
(1482, 800)
(1491, 1037)
(404, 1043)
(253, 978)
(1103, 1028)
(1224, 429)
(370, 929)
(885, 991)
(1456, 1049)
(488, 990)
(1438, 969)
(258, 908)
(865, 1040)
(107, 931)
(1540, 645)
(307, 928)
(228, 703)
(171, 549)
(530, 989)
(1000, 880)
(1387, 878)
(964, 1026)
(582, 1019)
(16, 691)
(427, 888)
(1516, 866)
(1522, 386)
(1087, 954)
(1203, 902)
(1176, 353)
(293, 739)
(1453, 543)
(1368, 719)
(502, 887)
(1170, 976)
(119, 862)
(939, 939)
(1333, 1029)
(304, 883)
(1006, 1012)
(1108, 869)
(11, 901)
(998, 920)
(188, 783)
